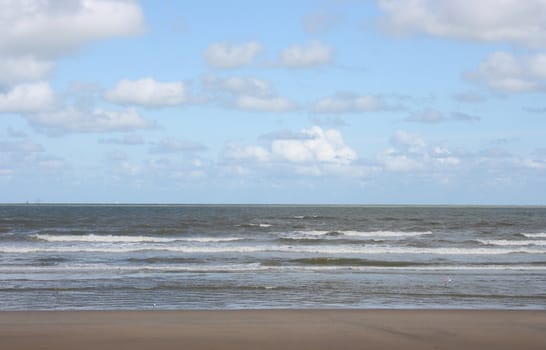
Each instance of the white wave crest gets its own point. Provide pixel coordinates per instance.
(506, 242)
(535, 235)
(364, 234)
(253, 225)
(124, 268)
(252, 267)
(386, 233)
(315, 249)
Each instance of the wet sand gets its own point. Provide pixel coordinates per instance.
(274, 329)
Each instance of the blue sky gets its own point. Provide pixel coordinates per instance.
(364, 102)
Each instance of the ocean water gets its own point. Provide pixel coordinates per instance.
(97, 257)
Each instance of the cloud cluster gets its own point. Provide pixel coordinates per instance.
(251, 153)
(34, 33)
(51, 28)
(225, 55)
(247, 94)
(516, 22)
(71, 119)
(25, 156)
(502, 71)
(148, 92)
(410, 153)
(312, 151)
(432, 116)
(170, 145)
(322, 146)
(27, 97)
(18, 69)
(312, 54)
(236, 85)
(265, 104)
(348, 103)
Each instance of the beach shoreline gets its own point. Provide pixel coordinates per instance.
(274, 329)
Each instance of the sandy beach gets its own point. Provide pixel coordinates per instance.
(274, 329)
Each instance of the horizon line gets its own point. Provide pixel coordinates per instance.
(27, 203)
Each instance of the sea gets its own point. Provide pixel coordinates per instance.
(176, 257)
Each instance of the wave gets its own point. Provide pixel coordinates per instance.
(314, 249)
(124, 268)
(329, 261)
(253, 225)
(386, 233)
(506, 242)
(253, 267)
(364, 234)
(128, 239)
(312, 217)
(535, 235)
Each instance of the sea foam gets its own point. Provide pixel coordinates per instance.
(364, 234)
(506, 242)
(313, 249)
(535, 235)
(128, 239)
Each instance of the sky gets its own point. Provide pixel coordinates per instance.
(308, 101)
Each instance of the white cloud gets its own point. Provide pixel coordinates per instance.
(225, 55)
(23, 157)
(238, 85)
(348, 103)
(323, 146)
(27, 97)
(510, 21)
(148, 92)
(170, 145)
(409, 152)
(395, 161)
(70, 120)
(310, 152)
(432, 116)
(442, 156)
(247, 94)
(35, 33)
(51, 28)
(311, 55)
(265, 104)
(504, 72)
(406, 140)
(24, 68)
(246, 153)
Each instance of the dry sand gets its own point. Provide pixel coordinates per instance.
(274, 329)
